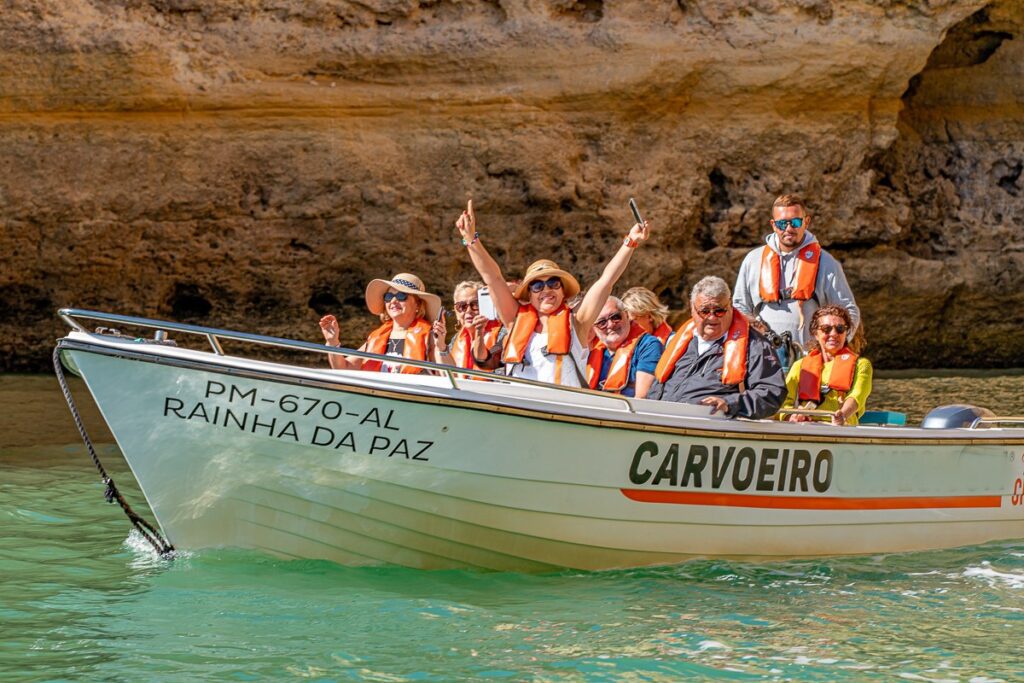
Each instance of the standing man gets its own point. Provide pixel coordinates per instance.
(718, 359)
(788, 279)
(623, 357)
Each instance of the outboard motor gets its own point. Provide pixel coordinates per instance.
(956, 416)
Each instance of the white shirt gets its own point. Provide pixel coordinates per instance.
(703, 346)
(541, 367)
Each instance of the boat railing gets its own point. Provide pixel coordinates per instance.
(978, 421)
(214, 336)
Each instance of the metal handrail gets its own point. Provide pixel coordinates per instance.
(214, 336)
(996, 420)
(806, 411)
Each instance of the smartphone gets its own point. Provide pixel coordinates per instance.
(487, 310)
(440, 314)
(636, 211)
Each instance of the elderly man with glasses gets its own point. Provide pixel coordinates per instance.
(719, 360)
(790, 277)
(623, 357)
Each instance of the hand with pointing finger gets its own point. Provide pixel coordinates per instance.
(466, 225)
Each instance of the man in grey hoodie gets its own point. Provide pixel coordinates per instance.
(788, 279)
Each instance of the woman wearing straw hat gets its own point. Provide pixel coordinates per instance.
(405, 309)
(544, 342)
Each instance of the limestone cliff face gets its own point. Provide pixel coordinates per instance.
(253, 163)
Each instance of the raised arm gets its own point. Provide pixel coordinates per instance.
(332, 333)
(490, 271)
(597, 295)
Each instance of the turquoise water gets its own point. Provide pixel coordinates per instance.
(82, 599)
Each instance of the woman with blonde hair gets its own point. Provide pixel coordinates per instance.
(405, 309)
(477, 343)
(646, 310)
(547, 341)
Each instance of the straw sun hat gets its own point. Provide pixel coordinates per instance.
(542, 270)
(403, 282)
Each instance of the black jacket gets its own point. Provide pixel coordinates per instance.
(696, 377)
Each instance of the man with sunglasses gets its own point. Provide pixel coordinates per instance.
(784, 282)
(718, 359)
(623, 357)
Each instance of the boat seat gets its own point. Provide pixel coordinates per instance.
(885, 418)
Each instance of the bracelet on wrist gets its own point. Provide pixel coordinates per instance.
(631, 243)
(476, 236)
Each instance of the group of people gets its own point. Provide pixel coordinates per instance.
(792, 306)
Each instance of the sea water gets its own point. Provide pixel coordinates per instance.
(82, 599)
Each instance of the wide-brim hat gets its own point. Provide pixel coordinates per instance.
(542, 270)
(403, 282)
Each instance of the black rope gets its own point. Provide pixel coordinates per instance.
(111, 494)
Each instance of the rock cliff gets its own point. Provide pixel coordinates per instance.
(253, 163)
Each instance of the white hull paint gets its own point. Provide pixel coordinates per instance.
(368, 468)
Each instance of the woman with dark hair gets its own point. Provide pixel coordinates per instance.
(832, 376)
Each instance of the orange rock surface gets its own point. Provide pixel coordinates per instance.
(252, 164)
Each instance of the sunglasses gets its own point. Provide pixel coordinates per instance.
(786, 223)
(463, 306)
(708, 311)
(401, 296)
(827, 329)
(550, 283)
(601, 323)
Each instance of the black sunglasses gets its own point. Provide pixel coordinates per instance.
(785, 223)
(707, 312)
(827, 329)
(613, 318)
(550, 283)
(401, 296)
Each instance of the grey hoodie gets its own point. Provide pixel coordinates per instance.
(830, 287)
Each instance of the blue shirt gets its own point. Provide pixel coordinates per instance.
(645, 359)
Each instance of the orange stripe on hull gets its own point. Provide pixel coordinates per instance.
(808, 502)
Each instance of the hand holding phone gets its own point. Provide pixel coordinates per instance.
(642, 234)
(636, 211)
(486, 303)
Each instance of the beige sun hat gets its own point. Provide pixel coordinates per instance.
(542, 270)
(403, 282)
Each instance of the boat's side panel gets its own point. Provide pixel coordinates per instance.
(358, 478)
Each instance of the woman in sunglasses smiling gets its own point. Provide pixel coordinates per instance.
(477, 343)
(832, 377)
(544, 341)
(405, 309)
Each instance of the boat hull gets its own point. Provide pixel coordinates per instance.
(320, 466)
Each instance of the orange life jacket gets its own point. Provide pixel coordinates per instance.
(462, 345)
(559, 333)
(417, 336)
(840, 378)
(734, 369)
(618, 372)
(663, 332)
(808, 257)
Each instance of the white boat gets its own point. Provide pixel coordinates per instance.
(447, 471)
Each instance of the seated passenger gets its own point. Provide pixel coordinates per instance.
(831, 377)
(477, 343)
(404, 308)
(729, 366)
(623, 357)
(646, 310)
(547, 341)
